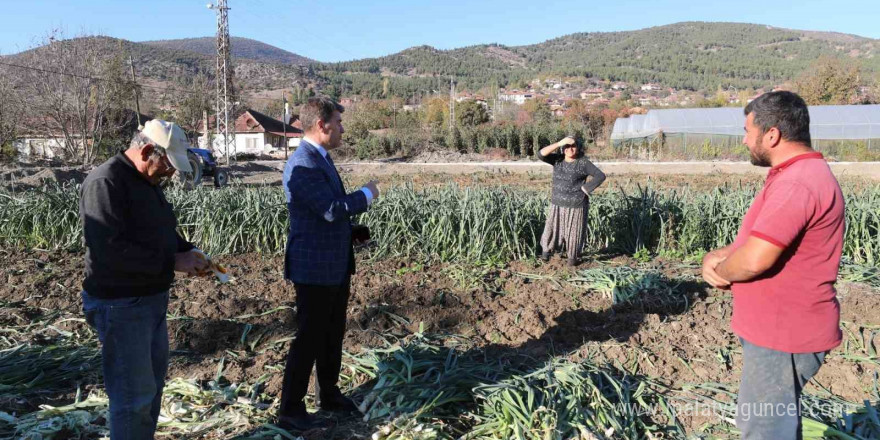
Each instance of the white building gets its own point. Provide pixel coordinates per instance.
(39, 141)
(516, 97)
(258, 134)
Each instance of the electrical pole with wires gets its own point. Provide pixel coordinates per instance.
(225, 91)
(137, 101)
(284, 119)
(452, 104)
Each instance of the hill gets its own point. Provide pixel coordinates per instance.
(169, 65)
(690, 55)
(243, 48)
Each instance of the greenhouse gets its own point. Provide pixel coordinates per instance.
(843, 132)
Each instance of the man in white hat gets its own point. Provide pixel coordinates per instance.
(132, 251)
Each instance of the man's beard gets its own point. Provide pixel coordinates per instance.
(759, 156)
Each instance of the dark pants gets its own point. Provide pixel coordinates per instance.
(134, 346)
(320, 324)
(768, 405)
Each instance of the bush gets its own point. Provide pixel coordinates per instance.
(371, 147)
(8, 153)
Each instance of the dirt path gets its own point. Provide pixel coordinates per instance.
(269, 172)
(863, 169)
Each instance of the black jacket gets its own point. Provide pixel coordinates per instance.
(569, 189)
(130, 232)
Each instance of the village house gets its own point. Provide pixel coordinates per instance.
(592, 93)
(41, 138)
(256, 133)
(516, 97)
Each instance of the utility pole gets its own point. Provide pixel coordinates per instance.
(209, 145)
(451, 104)
(284, 123)
(225, 91)
(137, 102)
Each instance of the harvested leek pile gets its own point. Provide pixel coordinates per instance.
(420, 377)
(625, 284)
(65, 365)
(823, 416)
(573, 400)
(431, 392)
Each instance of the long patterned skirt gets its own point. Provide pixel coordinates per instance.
(565, 229)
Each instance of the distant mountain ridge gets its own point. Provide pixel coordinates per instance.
(691, 55)
(244, 48)
(169, 64)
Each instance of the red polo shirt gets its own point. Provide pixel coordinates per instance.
(793, 306)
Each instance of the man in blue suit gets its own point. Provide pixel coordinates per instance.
(319, 261)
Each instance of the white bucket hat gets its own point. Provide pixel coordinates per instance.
(169, 136)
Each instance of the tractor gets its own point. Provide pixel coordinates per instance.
(203, 164)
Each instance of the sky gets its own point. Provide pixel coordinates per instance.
(352, 29)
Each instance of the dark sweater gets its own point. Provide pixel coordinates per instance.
(569, 189)
(130, 232)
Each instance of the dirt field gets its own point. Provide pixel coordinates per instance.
(269, 172)
(522, 309)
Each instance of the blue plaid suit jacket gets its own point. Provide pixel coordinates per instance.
(319, 246)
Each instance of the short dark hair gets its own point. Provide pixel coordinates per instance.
(318, 108)
(784, 110)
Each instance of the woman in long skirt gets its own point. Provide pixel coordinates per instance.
(574, 178)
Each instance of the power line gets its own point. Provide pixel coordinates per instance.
(37, 69)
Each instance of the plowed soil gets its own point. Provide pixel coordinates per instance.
(522, 309)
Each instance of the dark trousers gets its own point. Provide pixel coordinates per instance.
(320, 325)
(134, 347)
(768, 405)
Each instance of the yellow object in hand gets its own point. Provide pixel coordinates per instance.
(219, 271)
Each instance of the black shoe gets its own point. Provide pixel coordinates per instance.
(302, 421)
(545, 256)
(338, 403)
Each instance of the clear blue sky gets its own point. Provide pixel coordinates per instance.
(369, 28)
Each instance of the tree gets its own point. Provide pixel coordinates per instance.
(829, 81)
(719, 100)
(576, 110)
(81, 102)
(191, 106)
(436, 112)
(470, 113)
(874, 93)
(11, 108)
(539, 110)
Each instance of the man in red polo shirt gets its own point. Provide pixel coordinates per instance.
(782, 268)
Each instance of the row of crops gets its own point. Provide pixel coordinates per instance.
(451, 223)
